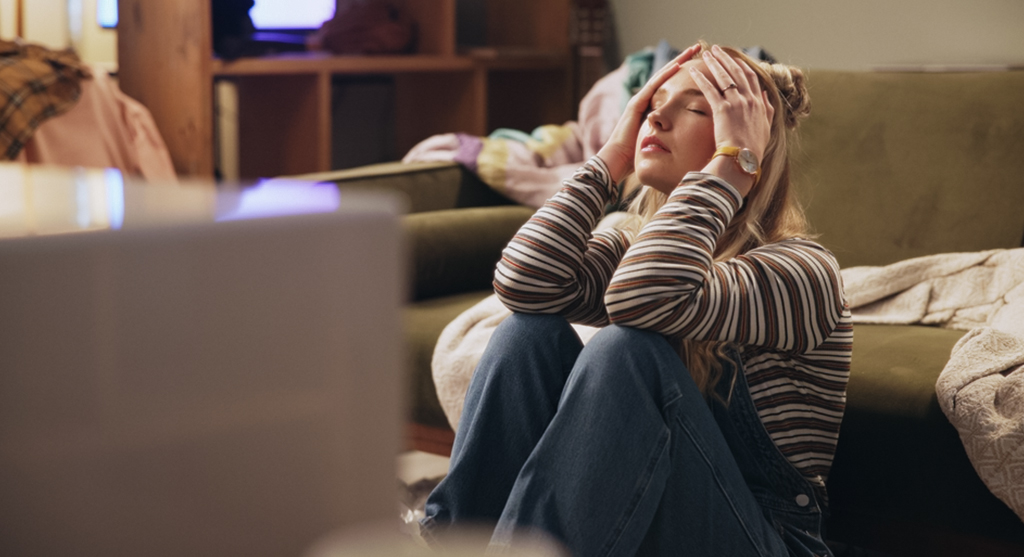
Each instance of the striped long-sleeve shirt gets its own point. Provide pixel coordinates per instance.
(782, 304)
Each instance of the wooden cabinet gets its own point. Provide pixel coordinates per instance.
(520, 79)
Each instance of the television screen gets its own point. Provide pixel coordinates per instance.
(266, 14)
(106, 13)
(291, 14)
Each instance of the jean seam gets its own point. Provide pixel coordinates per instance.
(631, 508)
(427, 527)
(721, 487)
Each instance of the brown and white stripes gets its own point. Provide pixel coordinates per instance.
(782, 304)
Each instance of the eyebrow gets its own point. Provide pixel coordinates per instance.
(688, 92)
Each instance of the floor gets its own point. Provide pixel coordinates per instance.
(418, 473)
(414, 466)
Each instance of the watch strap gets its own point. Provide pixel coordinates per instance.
(734, 152)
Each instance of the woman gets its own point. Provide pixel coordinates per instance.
(702, 419)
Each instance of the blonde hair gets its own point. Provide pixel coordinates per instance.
(771, 212)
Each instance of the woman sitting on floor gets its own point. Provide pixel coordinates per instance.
(703, 418)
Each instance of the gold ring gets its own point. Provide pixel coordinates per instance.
(731, 86)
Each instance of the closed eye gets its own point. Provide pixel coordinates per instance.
(696, 111)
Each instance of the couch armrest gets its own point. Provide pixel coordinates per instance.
(456, 250)
(429, 186)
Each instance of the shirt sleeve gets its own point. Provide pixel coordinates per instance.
(784, 296)
(556, 263)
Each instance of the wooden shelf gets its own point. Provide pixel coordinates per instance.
(520, 80)
(312, 63)
(316, 62)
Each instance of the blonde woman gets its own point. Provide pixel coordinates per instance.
(702, 419)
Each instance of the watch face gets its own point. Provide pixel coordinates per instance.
(748, 161)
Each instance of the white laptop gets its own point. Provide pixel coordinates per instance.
(191, 371)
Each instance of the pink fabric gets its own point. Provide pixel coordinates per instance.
(106, 129)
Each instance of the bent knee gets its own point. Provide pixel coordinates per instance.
(534, 326)
(618, 341)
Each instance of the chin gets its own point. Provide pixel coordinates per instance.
(656, 181)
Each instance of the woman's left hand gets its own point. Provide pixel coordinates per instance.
(741, 109)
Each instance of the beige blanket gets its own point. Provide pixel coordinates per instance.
(981, 389)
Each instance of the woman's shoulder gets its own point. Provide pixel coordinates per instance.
(795, 246)
(795, 257)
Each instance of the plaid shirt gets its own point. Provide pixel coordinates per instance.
(35, 84)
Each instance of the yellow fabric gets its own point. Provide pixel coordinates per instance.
(492, 162)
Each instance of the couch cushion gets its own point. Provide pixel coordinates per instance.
(457, 250)
(898, 458)
(897, 165)
(429, 186)
(424, 322)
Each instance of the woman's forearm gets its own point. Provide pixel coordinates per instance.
(672, 257)
(555, 264)
(785, 295)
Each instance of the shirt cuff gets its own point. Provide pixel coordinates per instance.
(715, 183)
(595, 172)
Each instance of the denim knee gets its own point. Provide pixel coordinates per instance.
(528, 345)
(540, 326)
(616, 344)
(621, 358)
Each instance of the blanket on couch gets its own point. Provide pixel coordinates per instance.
(530, 168)
(981, 388)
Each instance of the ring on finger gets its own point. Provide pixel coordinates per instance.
(730, 86)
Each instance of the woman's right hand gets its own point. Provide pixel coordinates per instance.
(620, 149)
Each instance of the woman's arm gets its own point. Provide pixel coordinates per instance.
(555, 263)
(785, 296)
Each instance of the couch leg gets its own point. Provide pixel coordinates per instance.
(429, 439)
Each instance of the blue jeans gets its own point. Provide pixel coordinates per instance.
(612, 450)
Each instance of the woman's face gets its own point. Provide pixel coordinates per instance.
(678, 135)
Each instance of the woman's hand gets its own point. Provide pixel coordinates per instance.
(740, 109)
(620, 149)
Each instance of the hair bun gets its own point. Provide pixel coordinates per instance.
(792, 86)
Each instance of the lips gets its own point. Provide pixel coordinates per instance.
(651, 144)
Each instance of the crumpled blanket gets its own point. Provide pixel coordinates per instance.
(952, 290)
(981, 391)
(530, 168)
(36, 84)
(104, 129)
(981, 388)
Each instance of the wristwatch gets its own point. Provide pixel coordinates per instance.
(745, 159)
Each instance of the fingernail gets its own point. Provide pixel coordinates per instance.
(706, 54)
(716, 49)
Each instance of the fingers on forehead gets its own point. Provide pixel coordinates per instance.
(741, 70)
(719, 72)
(711, 94)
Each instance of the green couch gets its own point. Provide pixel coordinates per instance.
(890, 166)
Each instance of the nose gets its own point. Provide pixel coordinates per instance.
(656, 119)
